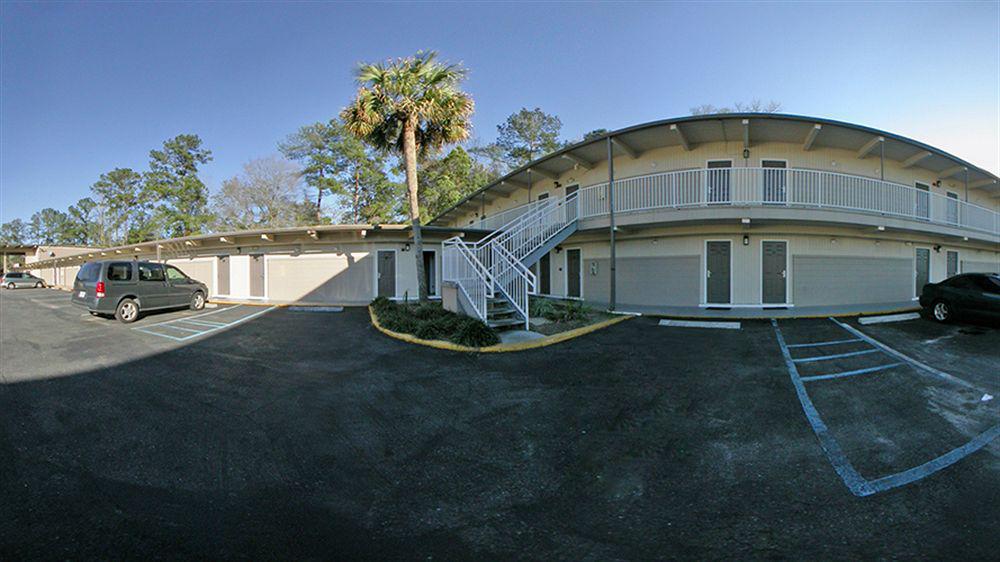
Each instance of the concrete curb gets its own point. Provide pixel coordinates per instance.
(281, 305)
(499, 348)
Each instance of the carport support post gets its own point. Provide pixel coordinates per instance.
(611, 215)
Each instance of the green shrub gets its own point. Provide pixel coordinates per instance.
(382, 304)
(543, 308)
(429, 311)
(440, 328)
(575, 310)
(430, 321)
(558, 311)
(475, 333)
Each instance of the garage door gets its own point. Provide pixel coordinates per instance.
(323, 278)
(200, 270)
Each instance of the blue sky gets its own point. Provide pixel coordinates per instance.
(87, 87)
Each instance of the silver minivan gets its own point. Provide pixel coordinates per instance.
(18, 279)
(127, 288)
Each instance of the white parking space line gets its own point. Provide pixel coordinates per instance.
(906, 358)
(835, 356)
(888, 318)
(201, 327)
(700, 324)
(855, 482)
(822, 343)
(191, 317)
(208, 323)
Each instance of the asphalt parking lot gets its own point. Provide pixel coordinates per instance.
(310, 435)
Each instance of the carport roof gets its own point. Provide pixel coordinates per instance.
(744, 127)
(229, 237)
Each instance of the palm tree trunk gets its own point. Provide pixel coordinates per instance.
(410, 153)
(357, 195)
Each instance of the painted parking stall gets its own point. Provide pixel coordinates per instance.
(834, 353)
(197, 325)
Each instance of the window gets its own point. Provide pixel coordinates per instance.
(962, 282)
(774, 180)
(990, 284)
(922, 207)
(120, 272)
(150, 272)
(13, 275)
(89, 272)
(952, 207)
(174, 274)
(717, 181)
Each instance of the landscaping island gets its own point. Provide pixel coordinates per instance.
(430, 324)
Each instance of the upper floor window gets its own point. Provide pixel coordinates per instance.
(717, 181)
(774, 180)
(923, 202)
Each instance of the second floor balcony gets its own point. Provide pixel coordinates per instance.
(782, 192)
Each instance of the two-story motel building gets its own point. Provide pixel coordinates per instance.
(731, 214)
(753, 211)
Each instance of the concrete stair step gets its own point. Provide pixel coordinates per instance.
(505, 322)
(500, 311)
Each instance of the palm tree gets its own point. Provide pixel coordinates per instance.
(410, 106)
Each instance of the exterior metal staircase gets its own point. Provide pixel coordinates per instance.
(493, 274)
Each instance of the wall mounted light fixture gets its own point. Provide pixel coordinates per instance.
(746, 240)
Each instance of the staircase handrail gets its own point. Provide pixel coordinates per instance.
(561, 205)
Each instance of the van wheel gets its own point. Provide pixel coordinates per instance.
(198, 301)
(127, 311)
(941, 311)
(10, 286)
(39, 285)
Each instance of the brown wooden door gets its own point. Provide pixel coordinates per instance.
(257, 276)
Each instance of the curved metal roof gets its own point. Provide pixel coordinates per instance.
(762, 127)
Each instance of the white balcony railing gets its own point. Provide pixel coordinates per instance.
(773, 187)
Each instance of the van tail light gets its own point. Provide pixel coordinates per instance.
(100, 289)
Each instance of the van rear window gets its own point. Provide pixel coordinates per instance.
(89, 272)
(120, 272)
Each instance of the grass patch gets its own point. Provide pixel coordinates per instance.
(430, 321)
(560, 316)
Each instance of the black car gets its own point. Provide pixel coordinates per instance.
(968, 294)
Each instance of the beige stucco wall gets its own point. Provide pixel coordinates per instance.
(832, 259)
(47, 252)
